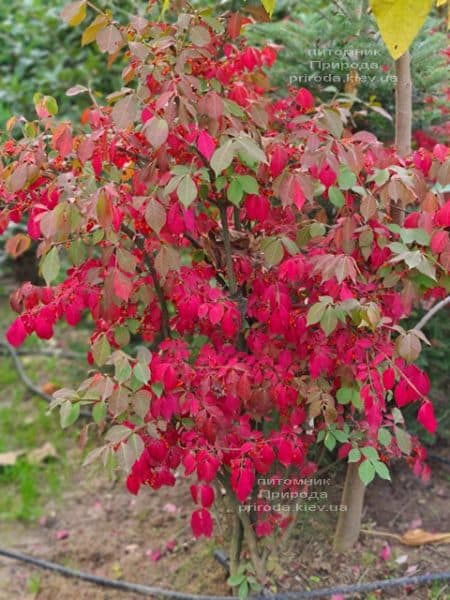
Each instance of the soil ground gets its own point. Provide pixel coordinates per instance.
(147, 539)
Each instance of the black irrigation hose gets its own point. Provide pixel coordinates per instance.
(149, 590)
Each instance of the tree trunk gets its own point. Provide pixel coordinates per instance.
(403, 105)
(349, 522)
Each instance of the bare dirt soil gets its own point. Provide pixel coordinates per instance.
(147, 539)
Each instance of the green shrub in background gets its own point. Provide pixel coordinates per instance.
(39, 53)
(316, 34)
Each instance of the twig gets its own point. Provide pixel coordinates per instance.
(148, 259)
(27, 381)
(228, 255)
(57, 353)
(427, 316)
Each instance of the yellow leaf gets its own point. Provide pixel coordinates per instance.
(75, 13)
(441, 2)
(419, 537)
(165, 7)
(399, 22)
(269, 6)
(90, 33)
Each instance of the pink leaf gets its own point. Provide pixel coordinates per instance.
(206, 144)
(385, 552)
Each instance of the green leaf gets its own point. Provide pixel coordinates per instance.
(384, 437)
(273, 251)
(290, 245)
(336, 197)
(382, 470)
(122, 369)
(235, 580)
(50, 265)
(354, 455)
(315, 313)
(427, 268)
(341, 436)
(248, 184)
(99, 412)
(158, 388)
(409, 346)
(141, 402)
(156, 131)
(344, 395)
(346, 178)
(117, 434)
(222, 157)
(403, 440)
(51, 105)
(243, 589)
(418, 235)
(381, 176)
(317, 229)
(101, 350)
(235, 192)
(370, 453)
(330, 441)
(251, 149)
(366, 472)
(142, 373)
(329, 321)
(187, 191)
(69, 413)
(200, 36)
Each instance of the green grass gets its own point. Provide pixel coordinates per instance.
(26, 425)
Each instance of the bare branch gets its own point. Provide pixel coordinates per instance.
(427, 316)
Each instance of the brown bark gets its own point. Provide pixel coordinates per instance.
(403, 105)
(349, 522)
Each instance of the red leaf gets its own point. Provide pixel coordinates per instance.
(278, 161)
(234, 25)
(16, 333)
(216, 313)
(62, 140)
(122, 285)
(305, 99)
(439, 241)
(426, 417)
(389, 378)
(285, 452)
(206, 495)
(201, 523)
(242, 482)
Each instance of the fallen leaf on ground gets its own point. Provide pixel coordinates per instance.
(418, 537)
(39, 455)
(385, 552)
(9, 459)
(413, 537)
